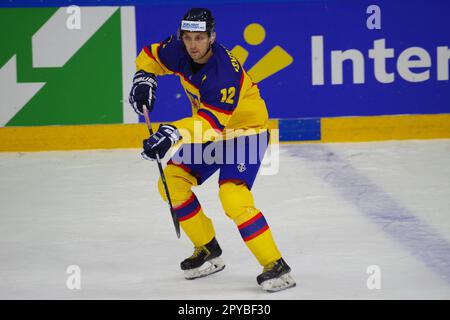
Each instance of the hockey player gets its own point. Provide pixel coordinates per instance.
(224, 99)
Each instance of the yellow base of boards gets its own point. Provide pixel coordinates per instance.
(377, 128)
(45, 138)
(112, 136)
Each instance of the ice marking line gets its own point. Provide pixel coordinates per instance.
(420, 239)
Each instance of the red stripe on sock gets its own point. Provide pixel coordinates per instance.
(256, 233)
(191, 214)
(189, 201)
(249, 222)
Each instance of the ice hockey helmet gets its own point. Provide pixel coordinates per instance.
(197, 20)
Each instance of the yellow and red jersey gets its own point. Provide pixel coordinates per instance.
(222, 94)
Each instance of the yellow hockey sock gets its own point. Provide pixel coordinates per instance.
(238, 204)
(197, 226)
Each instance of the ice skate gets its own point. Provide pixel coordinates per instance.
(204, 261)
(276, 277)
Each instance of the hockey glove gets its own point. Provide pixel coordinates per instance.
(160, 142)
(143, 91)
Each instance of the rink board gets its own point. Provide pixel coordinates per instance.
(342, 129)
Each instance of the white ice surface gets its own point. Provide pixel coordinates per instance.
(100, 210)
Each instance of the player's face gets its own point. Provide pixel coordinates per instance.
(197, 45)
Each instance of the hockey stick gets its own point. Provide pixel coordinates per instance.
(163, 178)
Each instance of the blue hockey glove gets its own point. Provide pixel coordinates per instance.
(143, 91)
(160, 142)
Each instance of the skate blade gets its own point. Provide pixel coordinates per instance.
(209, 267)
(278, 284)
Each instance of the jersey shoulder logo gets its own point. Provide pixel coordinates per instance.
(234, 61)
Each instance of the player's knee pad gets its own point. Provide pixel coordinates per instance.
(236, 199)
(179, 183)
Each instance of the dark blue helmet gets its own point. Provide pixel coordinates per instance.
(197, 20)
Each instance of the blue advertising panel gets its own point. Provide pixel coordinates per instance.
(324, 58)
(313, 58)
